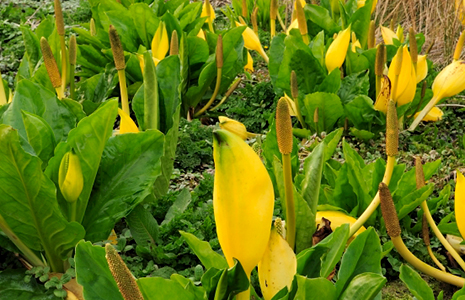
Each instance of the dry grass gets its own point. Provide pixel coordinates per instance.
(436, 19)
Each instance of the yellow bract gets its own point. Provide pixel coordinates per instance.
(208, 11)
(450, 81)
(384, 95)
(422, 68)
(405, 90)
(460, 203)
(127, 125)
(235, 127)
(388, 35)
(201, 35)
(70, 179)
(361, 3)
(337, 51)
(160, 43)
(278, 266)
(243, 200)
(252, 42)
(294, 25)
(249, 65)
(435, 114)
(337, 218)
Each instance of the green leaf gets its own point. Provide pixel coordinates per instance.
(203, 250)
(12, 286)
(32, 46)
(354, 85)
(362, 255)
(88, 141)
(364, 286)
(152, 111)
(417, 286)
(157, 288)
(314, 289)
(408, 203)
(318, 48)
(99, 87)
(179, 206)
(313, 171)
(126, 29)
(130, 165)
(35, 99)
(143, 226)
(320, 260)
(330, 110)
(321, 19)
(360, 112)
(169, 89)
(93, 273)
(305, 223)
(39, 135)
(360, 22)
(145, 21)
(458, 294)
(364, 135)
(331, 141)
(28, 202)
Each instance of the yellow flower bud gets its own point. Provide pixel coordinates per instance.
(252, 42)
(249, 65)
(422, 68)
(235, 127)
(337, 51)
(388, 35)
(160, 43)
(243, 200)
(70, 179)
(450, 81)
(361, 3)
(404, 88)
(209, 12)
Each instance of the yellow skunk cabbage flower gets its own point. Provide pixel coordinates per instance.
(127, 125)
(384, 95)
(460, 203)
(70, 179)
(337, 218)
(422, 68)
(435, 114)
(243, 201)
(292, 106)
(388, 35)
(337, 51)
(249, 65)
(235, 127)
(278, 266)
(160, 43)
(252, 42)
(361, 3)
(406, 83)
(450, 81)
(209, 12)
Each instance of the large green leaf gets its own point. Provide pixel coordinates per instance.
(305, 223)
(39, 135)
(203, 250)
(417, 286)
(330, 110)
(313, 170)
(143, 226)
(320, 260)
(88, 141)
(93, 273)
(12, 286)
(169, 85)
(157, 288)
(28, 202)
(129, 167)
(35, 99)
(364, 286)
(362, 255)
(145, 21)
(314, 289)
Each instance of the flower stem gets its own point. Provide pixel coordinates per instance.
(290, 209)
(423, 113)
(215, 93)
(63, 64)
(123, 91)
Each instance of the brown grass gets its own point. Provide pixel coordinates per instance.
(436, 19)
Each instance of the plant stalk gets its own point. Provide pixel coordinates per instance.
(64, 63)
(423, 113)
(290, 208)
(123, 91)
(215, 93)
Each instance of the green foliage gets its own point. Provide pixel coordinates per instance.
(194, 148)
